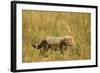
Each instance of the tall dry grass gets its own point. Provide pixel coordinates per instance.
(38, 24)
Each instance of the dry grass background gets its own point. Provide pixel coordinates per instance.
(38, 24)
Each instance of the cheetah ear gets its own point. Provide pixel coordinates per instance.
(65, 40)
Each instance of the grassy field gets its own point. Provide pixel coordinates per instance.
(38, 24)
